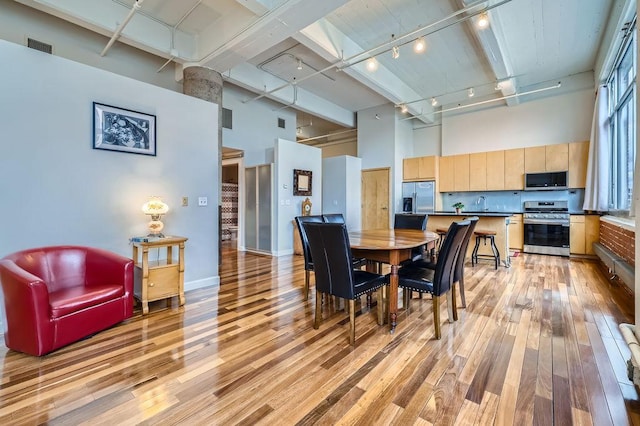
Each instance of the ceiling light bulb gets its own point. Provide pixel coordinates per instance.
(434, 102)
(299, 64)
(372, 64)
(404, 109)
(395, 52)
(470, 92)
(483, 20)
(420, 45)
(498, 86)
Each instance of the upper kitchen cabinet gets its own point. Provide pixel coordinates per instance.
(478, 171)
(445, 174)
(495, 171)
(461, 172)
(546, 158)
(420, 168)
(578, 156)
(514, 169)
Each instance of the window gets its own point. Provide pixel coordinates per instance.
(622, 117)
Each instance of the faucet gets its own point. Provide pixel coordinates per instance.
(484, 202)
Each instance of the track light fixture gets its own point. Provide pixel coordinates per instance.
(404, 109)
(372, 64)
(395, 52)
(419, 45)
(483, 20)
(299, 63)
(470, 92)
(434, 102)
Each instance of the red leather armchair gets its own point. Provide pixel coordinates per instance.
(57, 295)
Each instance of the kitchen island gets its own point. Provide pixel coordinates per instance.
(488, 221)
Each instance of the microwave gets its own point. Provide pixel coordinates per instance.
(545, 180)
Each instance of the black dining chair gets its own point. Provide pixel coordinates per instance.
(334, 272)
(458, 274)
(308, 260)
(412, 221)
(437, 282)
(333, 218)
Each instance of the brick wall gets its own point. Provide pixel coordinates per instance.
(619, 240)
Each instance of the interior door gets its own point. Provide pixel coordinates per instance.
(375, 199)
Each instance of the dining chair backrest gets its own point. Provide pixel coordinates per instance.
(443, 276)
(331, 251)
(410, 221)
(457, 274)
(308, 260)
(333, 218)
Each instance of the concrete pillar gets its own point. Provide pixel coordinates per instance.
(206, 84)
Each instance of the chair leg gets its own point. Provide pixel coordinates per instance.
(369, 300)
(461, 285)
(451, 304)
(316, 321)
(352, 322)
(496, 253)
(380, 298)
(306, 284)
(436, 315)
(406, 295)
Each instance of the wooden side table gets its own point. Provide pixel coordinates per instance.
(159, 279)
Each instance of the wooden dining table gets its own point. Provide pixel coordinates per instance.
(391, 246)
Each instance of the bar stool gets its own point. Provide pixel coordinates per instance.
(484, 236)
(442, 233)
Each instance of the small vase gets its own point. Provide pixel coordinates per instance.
(457, 210)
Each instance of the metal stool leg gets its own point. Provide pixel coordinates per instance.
(474, 253)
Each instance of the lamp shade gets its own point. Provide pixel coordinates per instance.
(155, 207)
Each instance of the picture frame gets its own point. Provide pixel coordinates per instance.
(302, 182)
(123, 130)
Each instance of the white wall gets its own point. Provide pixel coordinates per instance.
(403, 149)
(376, 136)
(255, 125)
(557, 119)
(427, 140)
(342, 189)
(289, 156)
(56, 189)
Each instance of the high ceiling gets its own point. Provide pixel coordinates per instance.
(314, 54)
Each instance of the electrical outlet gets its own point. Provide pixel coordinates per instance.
(202, 201)
(185, 201)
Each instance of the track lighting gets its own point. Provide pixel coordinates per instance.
(404, 109)
(470, 92)
(498, 86)
(419, 45)
(434, 102)
(299, 63)
(395, 52)
(372, 64)
(483, 20)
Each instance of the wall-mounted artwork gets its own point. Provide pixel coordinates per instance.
(124, 130)
(301, 182)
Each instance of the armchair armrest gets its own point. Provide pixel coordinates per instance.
(26, 300)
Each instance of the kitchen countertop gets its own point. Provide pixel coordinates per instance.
(465, 213)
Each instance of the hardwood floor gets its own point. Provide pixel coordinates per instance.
(537, 344)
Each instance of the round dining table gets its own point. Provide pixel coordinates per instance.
(391, 246)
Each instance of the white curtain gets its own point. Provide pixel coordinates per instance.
(596, 194)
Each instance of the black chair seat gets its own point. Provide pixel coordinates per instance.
(417, 278)
(364, 282)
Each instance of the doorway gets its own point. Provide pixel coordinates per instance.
(375, 198)
(232, 214)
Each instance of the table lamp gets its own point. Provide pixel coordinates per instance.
(155, 208)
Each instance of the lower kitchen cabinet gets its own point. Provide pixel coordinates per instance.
(516, 232)
(584, 231)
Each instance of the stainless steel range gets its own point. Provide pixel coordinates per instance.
(546, 227)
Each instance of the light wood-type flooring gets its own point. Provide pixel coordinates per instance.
(537, 344)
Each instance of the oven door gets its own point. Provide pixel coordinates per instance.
(546, 237)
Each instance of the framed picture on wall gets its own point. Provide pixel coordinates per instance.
(124, 130)
(302, 182)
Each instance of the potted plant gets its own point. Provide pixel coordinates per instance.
(458, 206)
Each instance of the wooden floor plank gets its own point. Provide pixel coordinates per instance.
(537, 344)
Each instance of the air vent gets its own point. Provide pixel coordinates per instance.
(281, 123)
(39, 45)
(227, 118)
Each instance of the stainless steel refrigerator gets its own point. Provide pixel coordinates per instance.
(418, 197)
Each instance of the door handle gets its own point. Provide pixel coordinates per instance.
(384, 208)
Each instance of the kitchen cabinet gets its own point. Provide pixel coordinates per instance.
(445, 174)
(546, 158)
(495, 171)
(461, 172)
(516, 232)
(584, 231)
(578, 157)
(478, 171)
(420, 168)
(514, 169)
